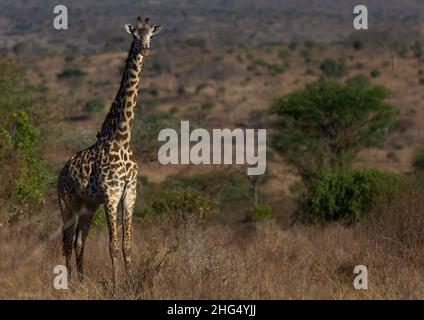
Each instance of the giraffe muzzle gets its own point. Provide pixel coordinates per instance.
(145, 52)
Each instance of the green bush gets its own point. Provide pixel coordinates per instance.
(418, 160)
(375, 73)
(260, 212)
(348, 195)
(208, 105)
(226, 187)
(333, 68)
(325, 125)
(418, 51)
(22, 138)
(184, 204)
(358, 80)
(71, 73)
(357, 44)
(95, 105)
(99, 219)
(145, 212)
(23, 175)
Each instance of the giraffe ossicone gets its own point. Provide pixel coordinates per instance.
(106, 172)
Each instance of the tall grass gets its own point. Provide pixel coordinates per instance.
(241, 261)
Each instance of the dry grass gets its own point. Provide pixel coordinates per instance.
(240, 261)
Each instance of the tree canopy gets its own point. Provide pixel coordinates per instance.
(326, 124)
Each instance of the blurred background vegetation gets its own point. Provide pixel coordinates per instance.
(343, 109)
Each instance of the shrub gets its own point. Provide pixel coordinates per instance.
(260, 212)
(326, 124)
(292, 46)
(174, 110)
(200, 87)
(333, 68)
(418, 51)
(357, 44)
(347, 195)
(23, 176)
(69, 58)
(208, 105)
(358, 80)
(306, 54)
(99, 219)
(95, 105)
(153, 92)
(184, 204)
(226, 187)
(181, 90)
(418, 160)
(375, 73)
(23, 138)
(145, 212)
(71, 73)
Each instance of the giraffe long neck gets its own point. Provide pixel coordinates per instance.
(120, 119)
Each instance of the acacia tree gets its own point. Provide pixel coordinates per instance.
(326, 124)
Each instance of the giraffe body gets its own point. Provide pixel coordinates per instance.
(106, 172)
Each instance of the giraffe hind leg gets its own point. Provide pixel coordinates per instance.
(68, 230)
(83, 227)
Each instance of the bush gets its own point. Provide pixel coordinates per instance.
(418, 51)
(226, 187)
(260, 212)
(333, 68)
(23, 176)
(358, 80)
(357, 44)
(325, 125)
(22, 139)
(184, 204)
(99, 219)
(418, 160)
(375, 73)
(95, 106)
(71, 73)
(208, 105)
(348, 195)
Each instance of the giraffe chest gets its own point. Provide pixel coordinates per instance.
(118, 165)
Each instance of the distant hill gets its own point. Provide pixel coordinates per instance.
(28, 24)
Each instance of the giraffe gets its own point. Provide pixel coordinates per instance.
(106, 172)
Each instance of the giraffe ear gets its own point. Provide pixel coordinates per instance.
(130, 28)
(155, 30)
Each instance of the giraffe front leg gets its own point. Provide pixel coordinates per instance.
(111, 208)
(128, 209)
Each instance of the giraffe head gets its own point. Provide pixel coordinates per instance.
(143, 32)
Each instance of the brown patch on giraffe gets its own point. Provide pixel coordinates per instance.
(120, 136)
(114, 157)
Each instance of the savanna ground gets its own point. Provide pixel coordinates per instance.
(245, 261)
(214, 84)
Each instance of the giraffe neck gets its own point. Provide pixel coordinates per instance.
(120, 119)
